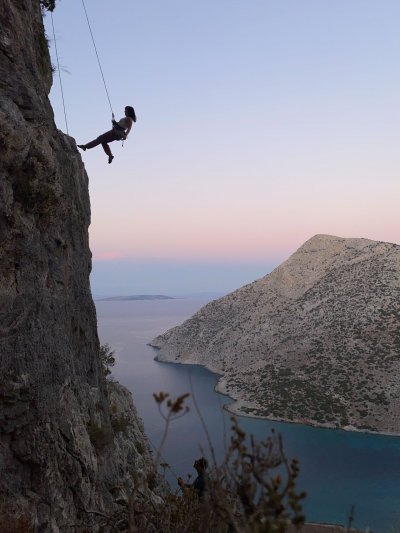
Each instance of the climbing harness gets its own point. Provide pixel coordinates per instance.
(119, 131)
(59, 71)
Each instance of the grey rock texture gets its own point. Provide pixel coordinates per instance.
(67, 444)
(316, 341)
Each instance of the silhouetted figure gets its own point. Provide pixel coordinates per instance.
(199, 484)
(119, 132)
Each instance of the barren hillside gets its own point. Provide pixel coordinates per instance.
(316, 341)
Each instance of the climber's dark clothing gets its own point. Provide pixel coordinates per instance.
(104, 139)
(199, 484)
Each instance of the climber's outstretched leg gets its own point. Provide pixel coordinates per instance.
(107, 150)
(104, 139)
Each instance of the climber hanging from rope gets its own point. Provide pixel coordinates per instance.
(119, 132)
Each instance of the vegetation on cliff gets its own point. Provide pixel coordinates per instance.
(254, 489)
(48, 5)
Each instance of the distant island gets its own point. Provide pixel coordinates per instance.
(136, 297)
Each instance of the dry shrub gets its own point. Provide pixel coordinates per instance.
(254, 490)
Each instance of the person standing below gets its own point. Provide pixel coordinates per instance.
(199, 484)
(119, 132)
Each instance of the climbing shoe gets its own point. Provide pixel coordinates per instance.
(82, 147)
(110, 158)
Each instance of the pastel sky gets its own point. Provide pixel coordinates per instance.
(260, 124)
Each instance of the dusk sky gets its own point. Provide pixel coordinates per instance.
(260, 124)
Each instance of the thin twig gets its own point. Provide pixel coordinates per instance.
(351, 518)
(223, 423)
(164, 437)
(202, 421)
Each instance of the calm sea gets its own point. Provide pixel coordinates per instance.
(338, 468)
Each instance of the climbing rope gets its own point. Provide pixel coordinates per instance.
(98, 59)
(59, 72)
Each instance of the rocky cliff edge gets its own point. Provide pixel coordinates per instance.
(68, 446)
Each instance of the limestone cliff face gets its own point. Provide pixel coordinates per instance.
(315, 341)
(62, 449)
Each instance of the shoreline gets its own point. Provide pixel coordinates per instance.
(234, 408)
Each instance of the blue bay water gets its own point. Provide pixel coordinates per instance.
(338, 468)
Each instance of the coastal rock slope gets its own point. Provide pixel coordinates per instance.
(69, 442)
(316, 341)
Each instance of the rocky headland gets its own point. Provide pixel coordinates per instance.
(316, 341)
(70, 442)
